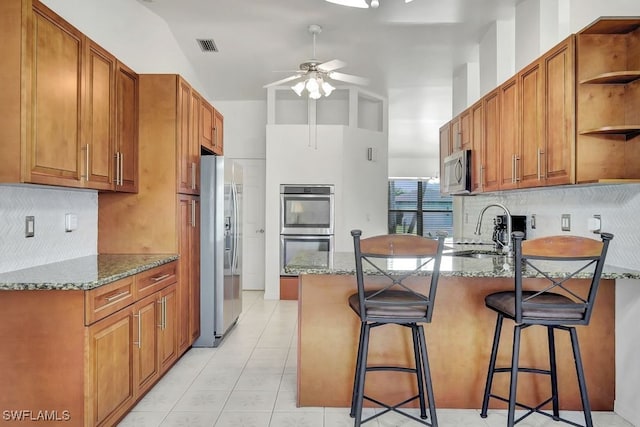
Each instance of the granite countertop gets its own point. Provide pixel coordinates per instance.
(82, 273)
(344, 263)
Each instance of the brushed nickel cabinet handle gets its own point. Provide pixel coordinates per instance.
(164, 313)
(139, 342)
(517, 174)
(116, 296)
(193, 213)
(86, 163)
(540, 153)
(193, 175)
(157, 279)
(160, 303)
(121, 169)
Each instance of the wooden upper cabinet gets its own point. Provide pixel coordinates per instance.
(490, 170)
(477, 142)
(218, 133)
(465, 130)
(54, 100)
(125, 155)
(445, 145)
(608, 100)
(194, 140)
(99, 118)
(531, 104)
(206, 126)
(455, 137)
(509, 142)
(187, 160)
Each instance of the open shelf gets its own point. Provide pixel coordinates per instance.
(616, 77)
(613, 130)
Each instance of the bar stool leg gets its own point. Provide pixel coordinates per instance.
(586, 407)
(427, 376)
(361, 372)
(492, 366)
(514, 376)
(354, 395)
(419, 369)
(553, 372)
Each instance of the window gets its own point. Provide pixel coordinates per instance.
(417, 207)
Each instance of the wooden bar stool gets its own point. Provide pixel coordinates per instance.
(399, 303)
(556, 307)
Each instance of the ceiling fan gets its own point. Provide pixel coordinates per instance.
(314, 75)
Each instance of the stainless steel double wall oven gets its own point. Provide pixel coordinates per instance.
(306, 222)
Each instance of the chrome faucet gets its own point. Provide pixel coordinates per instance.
(505, 248)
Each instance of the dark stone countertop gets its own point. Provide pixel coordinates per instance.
(451, 265)
(82, 273)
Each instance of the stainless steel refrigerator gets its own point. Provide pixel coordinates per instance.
(220, 250)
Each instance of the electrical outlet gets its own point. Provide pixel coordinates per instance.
(565, 222)
(29, 226)
(595, 224)
(533, 221)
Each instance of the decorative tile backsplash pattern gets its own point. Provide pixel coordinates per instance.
(51, 242)
(618, 205)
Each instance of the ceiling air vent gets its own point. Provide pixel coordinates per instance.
(207, 45)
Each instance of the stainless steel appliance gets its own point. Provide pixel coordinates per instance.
(306, 209)
(456, 177)
(220, 248)
(306, 223)
(500, 236)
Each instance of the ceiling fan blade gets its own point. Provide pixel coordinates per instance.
(281, 81)
(349, 78)
(334, 64)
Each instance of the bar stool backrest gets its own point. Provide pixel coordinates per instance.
(576, 257)
(378, 253)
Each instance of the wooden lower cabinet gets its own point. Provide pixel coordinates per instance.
(110, 370)
(84, 362)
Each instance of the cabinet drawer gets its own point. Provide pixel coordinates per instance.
(107, 299)
(155, 279)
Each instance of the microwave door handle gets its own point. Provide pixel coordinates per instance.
(458, 171)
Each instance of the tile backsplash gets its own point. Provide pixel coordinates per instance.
(618, 205)
(51, 243)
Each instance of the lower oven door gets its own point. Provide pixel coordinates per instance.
(312, 251)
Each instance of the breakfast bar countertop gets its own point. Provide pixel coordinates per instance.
(82, 273)
(343, 263)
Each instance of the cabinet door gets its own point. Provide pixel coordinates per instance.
(194, 140)
(532, 142)
(53, 135)
(491, 147)
(456, 136)
(110, 368)
(168, 327)
(207, 137)
(188, 277)
(218, 133)
(186, 167)
(509, 152)
(477, 143)
(445, 145)
(99, 109)
(559, 157)
(146, 317)
(194, 288)
(126, 147)
(465, 130)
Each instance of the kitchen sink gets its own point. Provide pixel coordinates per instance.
(476, 253)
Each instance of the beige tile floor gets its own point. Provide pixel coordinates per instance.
(249, 381)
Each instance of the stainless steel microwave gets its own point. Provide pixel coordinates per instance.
(456, 177)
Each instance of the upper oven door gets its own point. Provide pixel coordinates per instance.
(306, 214)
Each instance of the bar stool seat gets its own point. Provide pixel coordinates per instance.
(397, 302)
(556, 306)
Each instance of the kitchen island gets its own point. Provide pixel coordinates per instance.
(459, 339)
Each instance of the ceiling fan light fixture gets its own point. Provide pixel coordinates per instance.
(375, 4)
(327, 88)
(351, 3)
(313, 85)
(298, 88)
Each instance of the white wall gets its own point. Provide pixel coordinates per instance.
(338, 157)
(244, 128)
(51, 242)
